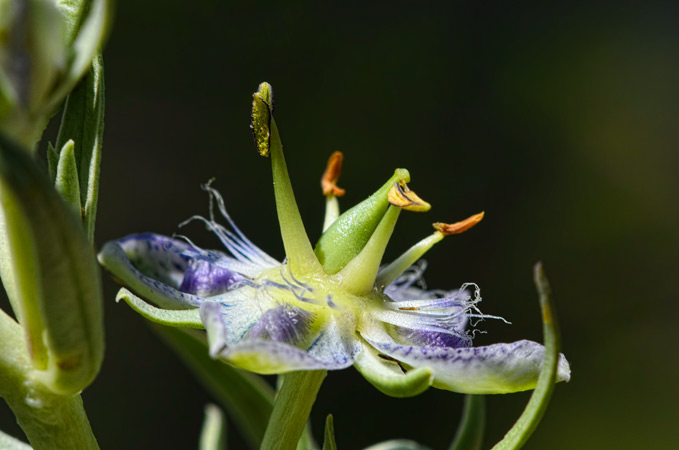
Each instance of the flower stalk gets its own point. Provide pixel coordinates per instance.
(291, 409)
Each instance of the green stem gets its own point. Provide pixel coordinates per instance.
(291, 409)
(50, 421)
(469, 434)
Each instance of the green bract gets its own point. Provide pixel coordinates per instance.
(50, 275)
(46, 46)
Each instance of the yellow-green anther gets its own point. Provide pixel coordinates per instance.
(347, 236)
(298, 249)
(358, 276)
(52, 274)
(67, 180)
(400, 195)
(261, 123)
(388, 274)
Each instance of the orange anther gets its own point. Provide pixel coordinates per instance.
(458, 227)
(331, 175)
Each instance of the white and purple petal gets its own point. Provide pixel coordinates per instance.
(493, 369)
(158, 267)
(276, 341)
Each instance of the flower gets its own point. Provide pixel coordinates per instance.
(328, 307)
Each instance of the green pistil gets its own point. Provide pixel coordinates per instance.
(407, 259)
(358, 276)
(350, 232)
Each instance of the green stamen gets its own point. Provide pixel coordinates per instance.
(358, 276)
(407, 259)
(298, 248)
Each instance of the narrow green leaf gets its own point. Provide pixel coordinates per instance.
(83, 122)
(517, 436)
(8, 442)
(329, 440)
(182, 318)
(247, 398)
(213, 433)
(52, 274)
(469, 434)
(66, 181)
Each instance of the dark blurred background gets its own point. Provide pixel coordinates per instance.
(560, 121)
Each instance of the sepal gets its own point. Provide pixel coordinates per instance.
(50, 274)
(181, 318)
(388, 376)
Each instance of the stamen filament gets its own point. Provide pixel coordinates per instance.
(358, 276)
(332, 211)
(407, 259)
(330, 189)
(298, 250)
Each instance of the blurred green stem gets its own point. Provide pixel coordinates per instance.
(469, 434)
(291, 409)
(50, 421)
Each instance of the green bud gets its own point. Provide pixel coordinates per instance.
(45, 48)
(347, 236)
(50, 274)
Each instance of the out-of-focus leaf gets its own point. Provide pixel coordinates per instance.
(66, 180)
(246, 397)
(517, 436)
(83, 123)
(397, 444)
(50, 272)
(213, 433)
(329, 439)
(469, 434)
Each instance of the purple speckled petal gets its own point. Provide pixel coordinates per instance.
(284, 323)
(266, 356)
(156, 267)
(426, 338)
(206, 279)
(493, 369)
